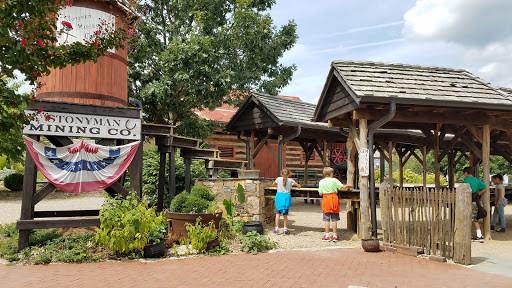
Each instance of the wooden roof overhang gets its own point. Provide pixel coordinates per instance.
(266, 114)
(424, 97)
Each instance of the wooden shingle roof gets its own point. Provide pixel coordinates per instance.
(506, 90)
(375, 82)
(279, 112)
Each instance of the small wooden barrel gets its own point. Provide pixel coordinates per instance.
(102, 83)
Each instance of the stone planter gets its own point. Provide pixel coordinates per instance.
(253, 226)
(370, 245)
(177, 223)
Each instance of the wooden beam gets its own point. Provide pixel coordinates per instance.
(353, 130)
(452, 142)
(118, 189)
(471, 145)
(66, 213)
(107, 142)
(59, 141)
(43, 192)
(260, 145)
(477, 132)
(436, 158)
(413, 153)
(271, 150)
(457, 160)
(57, 223)
(364, 185)
(29, 188)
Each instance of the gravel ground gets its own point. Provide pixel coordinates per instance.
(305, 223)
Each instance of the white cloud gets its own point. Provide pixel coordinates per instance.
(467, 22)
(363, 28)
(297, 52)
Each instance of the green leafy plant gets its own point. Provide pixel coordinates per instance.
(201, 200)
(14, 182)
(127, 225)
(254, 242)
(200, 235)
(240, 194)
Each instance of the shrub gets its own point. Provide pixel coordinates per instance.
(254, 242)
(14, 182)
(202, 192)
(5, 172)
(127, 225)
(199, 200)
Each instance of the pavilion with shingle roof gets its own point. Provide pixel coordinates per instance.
(457, 113)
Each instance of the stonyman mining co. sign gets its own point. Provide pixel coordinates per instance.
(79, 125)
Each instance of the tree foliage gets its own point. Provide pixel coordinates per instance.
(27, 38)
(193, 54)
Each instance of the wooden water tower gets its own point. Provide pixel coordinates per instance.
(102, 83)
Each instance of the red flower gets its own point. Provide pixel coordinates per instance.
(130, 32)
(34, 73)
(95, 42)
(33, 98)
(40, 110)
(23, 41)
(21, 25)
(56, 1)
(47, 117)
(40, 42)
(97, 32)
(67, 24)
(69, 3)
(14, 106)
(53, 15)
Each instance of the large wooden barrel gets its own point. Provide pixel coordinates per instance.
(102, 83)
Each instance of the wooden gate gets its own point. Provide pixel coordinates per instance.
(419, 217)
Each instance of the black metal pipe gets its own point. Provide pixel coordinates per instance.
(280, 148)
(343, 132)
(371, 129)
(247, 150)
(135, 101)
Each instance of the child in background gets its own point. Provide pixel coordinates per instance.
(500, 202)
(328, 188)
(283, 199)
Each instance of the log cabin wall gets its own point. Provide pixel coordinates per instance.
(102, 83)
(294, 155)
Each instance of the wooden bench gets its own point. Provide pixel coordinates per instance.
(312, 175)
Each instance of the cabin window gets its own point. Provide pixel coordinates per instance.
(303, 156)
(227, 152)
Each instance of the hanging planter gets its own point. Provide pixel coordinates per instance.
(370, 245)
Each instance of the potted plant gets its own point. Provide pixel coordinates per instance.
(370, 245)
(203, 237)
(187, 207)
(127, 225)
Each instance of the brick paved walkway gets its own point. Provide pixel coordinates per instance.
(317, 268)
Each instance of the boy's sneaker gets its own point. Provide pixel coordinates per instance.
(286, 232)
(478, 239)
(276, 231)
(326, 239)
(335, 238)
(500, 230)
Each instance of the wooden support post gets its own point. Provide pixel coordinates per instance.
(187, 161)
(306, 162)
(172, 173)
(325, 158)
(135, 171)
(29, 189)
(390, 158)
(161, 181)
(462, 238)
(400, 151)
(382, 166)
(436, 158)
(363, 184)
(486, 148)
(251, 148)
(424, 155)
(351, 159)
(451, 169)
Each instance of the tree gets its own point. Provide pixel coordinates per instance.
(27, 38)
(192, 54)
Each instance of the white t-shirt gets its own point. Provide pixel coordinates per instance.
(283, 188)
(496, 194)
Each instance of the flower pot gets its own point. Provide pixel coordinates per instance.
(177, 222)
(370, 245)
(252, 226)
(155, 250)
(212, 244)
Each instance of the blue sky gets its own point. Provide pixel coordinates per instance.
(475, 35)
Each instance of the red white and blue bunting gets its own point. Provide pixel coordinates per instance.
(81, 167)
